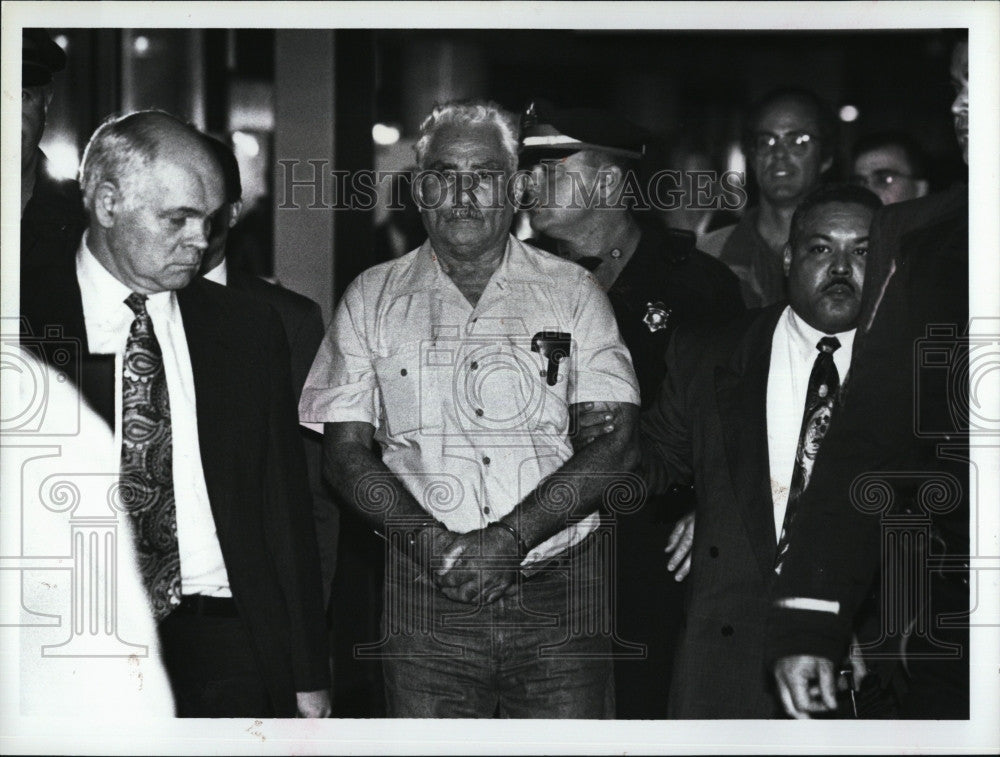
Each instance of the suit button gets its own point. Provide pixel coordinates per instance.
(727, 630)
(713, 551)
(402, 372)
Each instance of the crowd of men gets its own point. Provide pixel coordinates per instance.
(615, 465)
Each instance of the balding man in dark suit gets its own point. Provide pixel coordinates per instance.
(194, 378)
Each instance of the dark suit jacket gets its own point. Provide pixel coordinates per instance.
(303, 322)
(53, 219)
(708, 427)
(897, 409)
(252, 459)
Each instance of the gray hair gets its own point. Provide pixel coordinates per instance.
(120, 150)
(470, 113)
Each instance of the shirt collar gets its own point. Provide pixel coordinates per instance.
(519, 265)
(103, 295)
(804, 337)
(219, 274)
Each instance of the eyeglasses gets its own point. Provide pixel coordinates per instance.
(797, 143)
(884, 177)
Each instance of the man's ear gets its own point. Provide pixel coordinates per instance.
(610, 177)
(786, 258)
(519, 186)
(107, 204)
(826, 165)
(235, 208)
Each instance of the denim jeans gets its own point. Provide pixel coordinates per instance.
(542, 652)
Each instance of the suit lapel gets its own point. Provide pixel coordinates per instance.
(204, 331)
(741, 394)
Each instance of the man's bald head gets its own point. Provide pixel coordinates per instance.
(151, 186)
(123, 147)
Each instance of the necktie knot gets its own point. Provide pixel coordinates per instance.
(137, 303)
(828, 345)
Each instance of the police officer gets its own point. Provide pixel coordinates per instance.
(589, 207)
(52, 216)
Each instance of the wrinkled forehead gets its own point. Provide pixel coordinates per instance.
(837, 219)
(471, 144)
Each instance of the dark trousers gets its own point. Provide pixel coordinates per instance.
(209, 659)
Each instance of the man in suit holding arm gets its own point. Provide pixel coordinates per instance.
(194, 379)
(901, 422)
(741, 414)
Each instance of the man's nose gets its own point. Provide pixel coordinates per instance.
(960, 104)
(464, 187)
(842, 262)
(198, 232)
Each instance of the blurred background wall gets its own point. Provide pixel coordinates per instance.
(351, 99)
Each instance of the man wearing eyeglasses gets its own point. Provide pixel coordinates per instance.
(789, 144)
(892, 165)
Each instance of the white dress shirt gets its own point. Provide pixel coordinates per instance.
(793, 353)
(108, 320)
(461, 405)
(219, 274)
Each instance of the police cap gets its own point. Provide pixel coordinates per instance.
(550, 131)
(40, 57)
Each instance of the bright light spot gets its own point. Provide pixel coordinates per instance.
(141, 45)
(62, 40)
(385, 135)
(246, 144)
(849, 113)
(736, 160)
(64, 160)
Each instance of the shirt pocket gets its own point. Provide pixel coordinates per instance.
(409, 398)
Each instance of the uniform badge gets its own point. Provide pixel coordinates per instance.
(657, 316)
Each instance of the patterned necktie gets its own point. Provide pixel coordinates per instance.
(146, 465)
(824, 383)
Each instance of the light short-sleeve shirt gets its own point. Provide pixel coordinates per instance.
(465, 407)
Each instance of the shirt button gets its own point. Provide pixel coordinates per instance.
(486, 511)
(486, 461)
(479, 412)
(473, 365)
(727, 630)
(402, 372)
(713, 551)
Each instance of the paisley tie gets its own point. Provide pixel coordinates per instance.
(146, 463)
(824, 383)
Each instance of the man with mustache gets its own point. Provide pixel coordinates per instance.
(741, 415)
(465, 360)
(789, 144)
(905, 426)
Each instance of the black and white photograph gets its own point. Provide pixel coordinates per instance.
(500, 378)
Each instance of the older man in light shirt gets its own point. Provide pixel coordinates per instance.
(464, 360)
